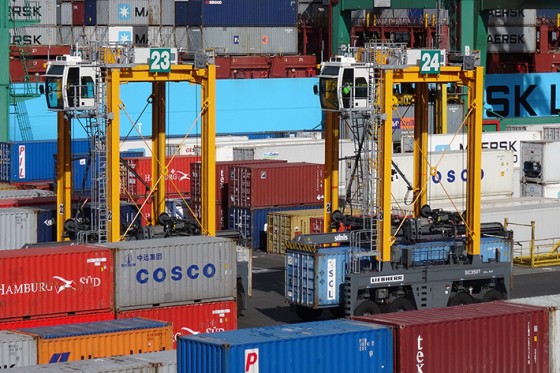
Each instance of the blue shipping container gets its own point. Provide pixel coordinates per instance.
(314, 279)
(181, 13)
(46, 224)
(325, 346)
(90, 13)
(32, 161)
(251, 222)
(495, 249)
(243, 13)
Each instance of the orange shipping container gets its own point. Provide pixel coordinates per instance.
(86, 341)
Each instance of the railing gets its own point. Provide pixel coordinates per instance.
(535, 252)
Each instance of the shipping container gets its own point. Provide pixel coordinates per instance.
(21, 223)
(270, 185)
(117, 364)
(66, 15)
(25, 193)
(51, 320)
(90, 13)
(251, 223)
(497, 336)
(133, 12)
(552, 305)
(173, 271)
(514, 39)
(282, 226)
(512, 17)
(34, 35)
(17, 350)
(163, 361)
(317, 225)
(162, 36)
(326, 346)
(33, 160)
(538, 160)
(245, 40)
(207, 317)
(58, 280)
(450, 174)
(78, 14)
(72, 342)
(43, 11)
(311, 277)
(243, 13)
(181, 13)
(547, 190)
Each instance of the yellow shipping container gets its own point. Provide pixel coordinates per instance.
(282, 226)
(100, 339)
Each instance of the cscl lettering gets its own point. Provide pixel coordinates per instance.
(34, 287)
(176, 273)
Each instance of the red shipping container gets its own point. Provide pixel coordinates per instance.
(191, 319)
(270, 185)
(56, 280)
(317, 225)
(78, 14)
(178, 179)
(482, 337)
(60, 320)
(221, 214)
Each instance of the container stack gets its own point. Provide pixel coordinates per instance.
(257, 190)
(283, 226)
(540, 174)
(189, 281)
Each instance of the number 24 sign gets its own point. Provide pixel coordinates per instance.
(430, 61)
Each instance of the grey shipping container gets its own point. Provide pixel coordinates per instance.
(117, 364)
(44, 11)
(164, 361)
(325, 346)
(34, 35)
(22, 227)
(131, 12)
(512, 17)
(245, 40)
(512, 39)
(17, 350)
(177, 270)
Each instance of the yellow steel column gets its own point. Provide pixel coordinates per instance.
(334, 161)
(159, 166)
(420, 175)
(331, 167)
(385, 238)
(474, 155)
(209, 151)
(63, 174)
(441, 109)
(113, 156)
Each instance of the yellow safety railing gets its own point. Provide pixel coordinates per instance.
(535, 253)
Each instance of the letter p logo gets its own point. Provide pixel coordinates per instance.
(252, 360)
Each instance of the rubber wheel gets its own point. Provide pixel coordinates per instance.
(400, 304)
(460, 299)
(367, 307)
(338, 312)
(492, 295)
(308, 314)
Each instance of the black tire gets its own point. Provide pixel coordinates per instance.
(492, 295)
(400, 304)
(338, 312)
(308, 314)
(460, 299)
(367, 307)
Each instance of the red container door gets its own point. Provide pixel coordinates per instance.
(78, 14)
(191, 319)
(55, 281)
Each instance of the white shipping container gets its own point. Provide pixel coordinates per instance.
(34, 35)
(512, 17)
(541, 190)
(502, 39)
(539, 161)
(18, 227)
(17, 350)
(45, 11)
(224, 151)
(245, 40)
(173, 271)
(129, 13)
(503, 140)
(185, 146)
(161, 37)
(449, 178)
(552, 304)
(66, 13)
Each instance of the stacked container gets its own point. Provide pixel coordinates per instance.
(282, 226)
(540, 174)
(326, 346)
(484, 337)
(26, 225)
(17, 350)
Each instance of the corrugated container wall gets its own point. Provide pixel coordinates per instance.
(326, 346)
(247, 13)
(163, 361)
(35, 35)
(17, 350)
(173, 271)
(282, 226)
(21, 224)
(252, 222)
(245, 40)
(539, 161)
(547, 190)
(44, 11)
(90, 12)
(504, 337)
(57, 280)
(211, 317)
(50, 320)
(256, 186)
(134, 12)
(512, 17)
(552, 305)
(84, 341)
(512, 39)
(119, 364)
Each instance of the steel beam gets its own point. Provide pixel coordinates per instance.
(159, 165)
(209, 152)
(63, 175)
(113, 168)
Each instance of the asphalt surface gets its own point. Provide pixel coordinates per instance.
(267, 305)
